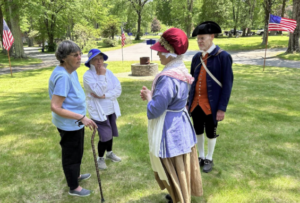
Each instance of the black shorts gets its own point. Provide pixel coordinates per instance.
(201, 121)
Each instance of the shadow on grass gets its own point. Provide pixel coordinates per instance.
(256, 157)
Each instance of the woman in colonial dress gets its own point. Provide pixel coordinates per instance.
(172, 139)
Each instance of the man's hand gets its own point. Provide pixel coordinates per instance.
(220, 115)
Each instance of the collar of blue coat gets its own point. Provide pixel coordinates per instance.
(213, 52)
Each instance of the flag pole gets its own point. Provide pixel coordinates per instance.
(9, 63)
(266, 43)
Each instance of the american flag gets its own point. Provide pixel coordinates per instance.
(278, 23)
(8, 39)
(123, 38)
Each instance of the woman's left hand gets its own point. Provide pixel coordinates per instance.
(145, 94)
(94, 95)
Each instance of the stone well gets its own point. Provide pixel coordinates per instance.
(138, 69)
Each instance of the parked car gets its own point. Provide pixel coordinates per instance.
(239, 32)
(261, 32)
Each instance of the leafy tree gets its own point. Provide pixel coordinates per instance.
(294, 37)
(111, 28)
(155, 26)
(217, 11)
(138, 6)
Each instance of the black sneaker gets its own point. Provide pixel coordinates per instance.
(208, 165)
(201, 162)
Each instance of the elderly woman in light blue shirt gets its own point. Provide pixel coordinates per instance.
(68, 113)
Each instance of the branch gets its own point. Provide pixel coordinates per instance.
(133, 5)
(144, 3)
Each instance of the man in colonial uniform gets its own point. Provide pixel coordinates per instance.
(210, 92)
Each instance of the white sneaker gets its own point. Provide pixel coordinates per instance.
(113, 157)
(101, 163)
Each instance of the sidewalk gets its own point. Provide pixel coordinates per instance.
(133, 53)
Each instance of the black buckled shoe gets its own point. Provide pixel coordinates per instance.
(201, 162)
(208, 165)
(169, 198)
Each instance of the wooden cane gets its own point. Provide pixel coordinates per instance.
(96, 165)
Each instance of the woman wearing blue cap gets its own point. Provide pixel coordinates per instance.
(102, 89)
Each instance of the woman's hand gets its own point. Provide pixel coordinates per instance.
(100, 70)
(145, 94)
(89, 123)
(94, 95)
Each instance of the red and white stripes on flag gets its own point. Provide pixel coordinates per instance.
(123, 37)
(278, 23)
(8, 39)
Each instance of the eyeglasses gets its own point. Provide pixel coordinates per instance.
(76, 55)
(201, 39)
(97, 59)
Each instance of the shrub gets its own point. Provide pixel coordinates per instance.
(110, 43)
(90, 44)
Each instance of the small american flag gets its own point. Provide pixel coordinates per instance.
(123, 38)
(278, 23)
(8, 39)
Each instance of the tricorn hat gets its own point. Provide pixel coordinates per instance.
(173, 40)
(207, 27)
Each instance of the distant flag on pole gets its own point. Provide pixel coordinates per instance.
(278, 23)
(8, 39)
(123, 37)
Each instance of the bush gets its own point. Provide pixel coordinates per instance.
(128, 40)
(90, 44)
(110, 43)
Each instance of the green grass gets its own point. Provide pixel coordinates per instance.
(4, 63)
(294, 57)
(244, 43)
(256, 156)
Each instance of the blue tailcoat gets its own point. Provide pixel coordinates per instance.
(221, 67)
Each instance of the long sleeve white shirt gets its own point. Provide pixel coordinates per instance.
(100, 85)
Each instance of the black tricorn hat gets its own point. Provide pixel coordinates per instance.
(207, 27)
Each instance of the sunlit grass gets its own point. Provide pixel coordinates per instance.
(256, 157)
(294, 57)
(245, 43)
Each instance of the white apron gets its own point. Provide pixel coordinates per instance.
(155, 129)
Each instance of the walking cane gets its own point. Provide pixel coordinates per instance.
(96, 165)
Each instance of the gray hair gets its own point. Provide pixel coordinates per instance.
(65, 48)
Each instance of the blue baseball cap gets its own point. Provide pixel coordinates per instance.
(92, 53)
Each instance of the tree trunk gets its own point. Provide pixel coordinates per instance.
(16, 32)
(267, 7)
(1, 26)
(282, 11)
(294, 37)
(138, 37)
(189, 19)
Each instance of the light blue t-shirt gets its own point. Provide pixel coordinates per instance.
(61, 83)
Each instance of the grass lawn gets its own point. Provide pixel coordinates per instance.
(294, 57)
(245, 43)
(256, 157)
(4, 63)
